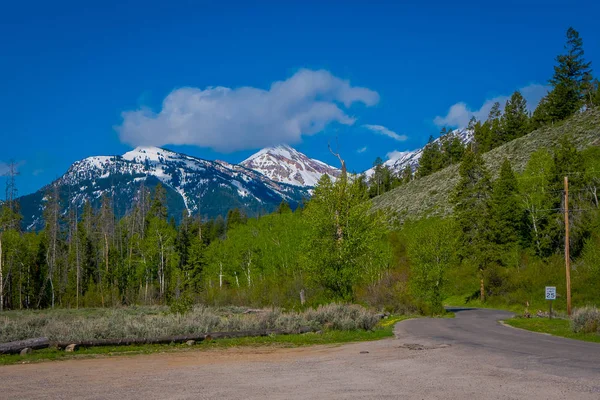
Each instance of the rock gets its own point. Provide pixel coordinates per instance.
(380, 316)
(190, 342)
(71, 348)
(364, 352)
(26, 351)
(318, 332)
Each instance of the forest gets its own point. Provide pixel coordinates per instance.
(504, 241)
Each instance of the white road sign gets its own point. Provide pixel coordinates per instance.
(550, 292)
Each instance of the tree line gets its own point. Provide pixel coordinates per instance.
(573, 89)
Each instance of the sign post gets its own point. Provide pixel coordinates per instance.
(550, 296)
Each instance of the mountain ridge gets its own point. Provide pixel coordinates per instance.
(428, 196)
(193, 185)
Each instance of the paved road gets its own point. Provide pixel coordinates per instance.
(471, 356)
(480, 329)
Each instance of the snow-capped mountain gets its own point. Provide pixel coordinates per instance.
(287, 165)
(401, 159)
(196, 185)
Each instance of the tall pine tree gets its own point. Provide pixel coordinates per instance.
(515, 121)
(471, 210)
(571, 80)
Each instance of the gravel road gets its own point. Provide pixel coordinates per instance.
(471, 356)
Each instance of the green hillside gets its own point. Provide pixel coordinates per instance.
(429, 195)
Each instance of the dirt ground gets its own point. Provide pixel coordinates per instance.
(401, 368)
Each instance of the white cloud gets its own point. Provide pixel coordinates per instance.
(385, 131)
(396, 155)
(3, 168)
(226, 119)
(362, 150)
(460, 114)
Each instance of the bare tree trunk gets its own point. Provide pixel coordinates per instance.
(481, 290)
(220, 275)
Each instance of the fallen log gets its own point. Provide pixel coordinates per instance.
(176, 339)
(16, 347)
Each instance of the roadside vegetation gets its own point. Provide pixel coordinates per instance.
(328, 336)
(584, 325)
(149, 322)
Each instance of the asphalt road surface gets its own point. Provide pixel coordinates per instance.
(471, 356)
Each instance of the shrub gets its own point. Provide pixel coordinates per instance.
(147, 322)
(586, 320)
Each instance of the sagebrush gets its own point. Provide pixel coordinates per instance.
(147, 322)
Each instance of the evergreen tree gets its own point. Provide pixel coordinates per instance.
(515, 121)
(158, 204)
(235, 217)
(471, 210)
(406, 174)
(495, 126)
(482, 136)
(541, 115)
(571, 80)
(505, 212)
(453, 150)
(283, 207)
(594, 94)
(376, 184)
(431, 160)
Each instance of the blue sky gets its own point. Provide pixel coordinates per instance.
(96, 78)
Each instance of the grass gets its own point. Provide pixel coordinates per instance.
(383, 330)
(555, 326)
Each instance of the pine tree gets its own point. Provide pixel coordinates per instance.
(541, 115)
(376, 184)
(431, 160)
(283, 207)
(515, 121)
(158, 204)
(505, 211)
(482, 137)
(471, 210)
(495, 125)
(235, 217)
(406, 174)
(571, 80)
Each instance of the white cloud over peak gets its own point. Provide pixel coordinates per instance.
(460, 113)
(396, 155)
(361, 150)
(382, 130)
(227, 120)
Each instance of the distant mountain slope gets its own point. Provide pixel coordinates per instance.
(411, 158)
(287, 165)
(192, 184)
(429, 195)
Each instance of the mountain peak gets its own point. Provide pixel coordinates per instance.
(285, 164)
(150, 152)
